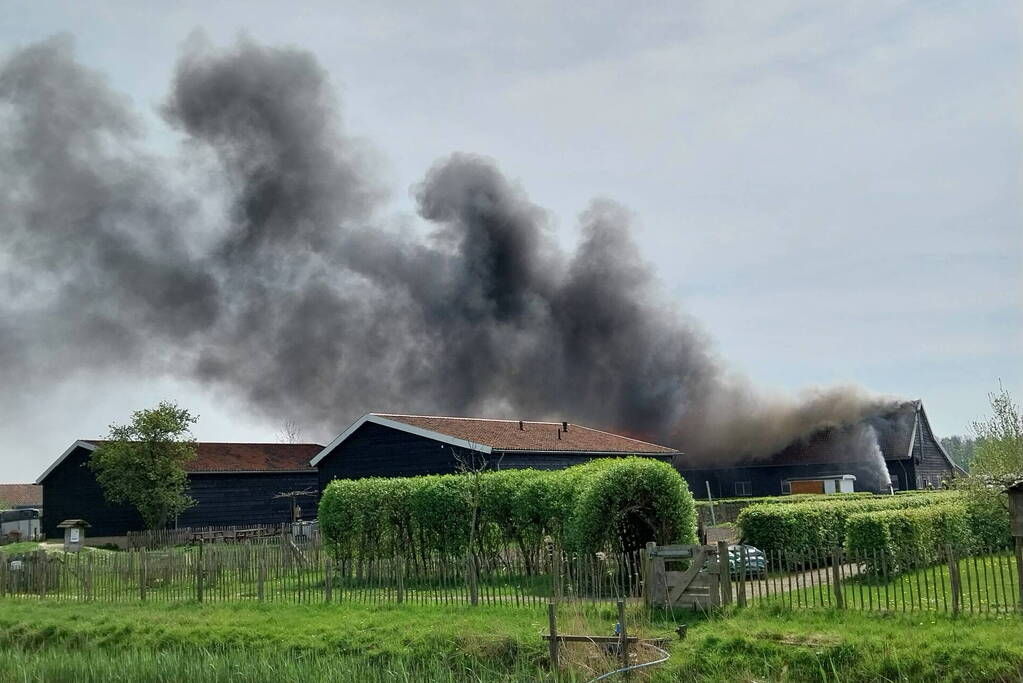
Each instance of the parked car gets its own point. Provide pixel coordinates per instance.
(756, 560)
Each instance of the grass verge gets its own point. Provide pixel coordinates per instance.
(136, 642)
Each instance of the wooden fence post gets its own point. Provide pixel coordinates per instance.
(1019, 570)
(953, 575)
(552, 621)
(39, 567)
(88, 577)
(743, 566)
(470, 566)
(400, 578)
(623, 640)
(556, 573)
(199, 575)
(328, 581)
(644, 567)
(836, 576)
(725, 568)
(142, 575)
(261, 578)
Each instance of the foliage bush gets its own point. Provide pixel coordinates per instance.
(899, 540)
(820, 523)
(603, 504)
(788, 499)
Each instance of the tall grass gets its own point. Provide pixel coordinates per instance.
(205, 666)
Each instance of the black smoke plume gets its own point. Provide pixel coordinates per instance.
(295, 295)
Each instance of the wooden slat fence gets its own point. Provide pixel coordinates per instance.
(982, 581)
(307, 573)
(978, 581)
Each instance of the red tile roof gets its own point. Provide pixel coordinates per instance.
(21, 494)
(250, 457)
(505, 435)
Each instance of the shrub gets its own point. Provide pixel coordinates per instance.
(818, 524)
(788, 499)
(989, 519)
(631, 501)
(900, 540)
(603, 504)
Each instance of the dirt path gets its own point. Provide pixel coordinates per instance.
(777, 585)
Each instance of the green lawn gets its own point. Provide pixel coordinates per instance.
(20, 547)
(43, 641)
(989, 586)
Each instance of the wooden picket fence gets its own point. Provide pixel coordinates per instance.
(307, 573)
(156, 539)
(981, 582)
(978, 581)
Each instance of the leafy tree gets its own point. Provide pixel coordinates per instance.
(997, 463)
(142, 464)
(962, 449)
(998, 460)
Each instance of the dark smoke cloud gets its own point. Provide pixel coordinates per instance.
(301, 301)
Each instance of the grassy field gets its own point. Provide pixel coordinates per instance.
(989, 586)
(96, 642)
(20, 547)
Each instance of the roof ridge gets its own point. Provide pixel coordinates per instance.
(478, 419)
(231, 443)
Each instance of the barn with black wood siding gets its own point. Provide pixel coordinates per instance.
(390, 445)
(909, 451)
(232, 483)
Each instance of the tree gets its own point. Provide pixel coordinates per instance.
(289, 432)
(472, 466)
(962, 449)
(998, 459)
(142, 464)
(997, 463)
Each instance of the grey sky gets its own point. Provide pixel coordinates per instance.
(834, 192)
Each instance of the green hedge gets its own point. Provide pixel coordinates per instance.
(893, 541)
(603, 504)
(820, 523)
(783, 500)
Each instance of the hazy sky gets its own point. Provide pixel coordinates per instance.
(832, 190)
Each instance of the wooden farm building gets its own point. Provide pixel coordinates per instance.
(236, 483)
(380, 444)
(839, 459)
(232, 483)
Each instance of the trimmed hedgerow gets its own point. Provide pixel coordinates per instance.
(785, 500)
(603, 504)
(895, 541)
(818, 524)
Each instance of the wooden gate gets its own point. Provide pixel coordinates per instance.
(686, 576)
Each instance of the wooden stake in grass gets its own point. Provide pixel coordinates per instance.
(552, 620)
(836, 575)
(724, 566)
(953, 575)
(623, 647)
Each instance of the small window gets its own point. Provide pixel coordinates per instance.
(895, 482)
(743, 488)
(786, 488)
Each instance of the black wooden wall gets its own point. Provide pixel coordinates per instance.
(72, 492)
(929, 464)
(378, 451)
(226, 498)
(765, 480)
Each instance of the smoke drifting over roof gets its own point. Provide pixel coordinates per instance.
(298, 298)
